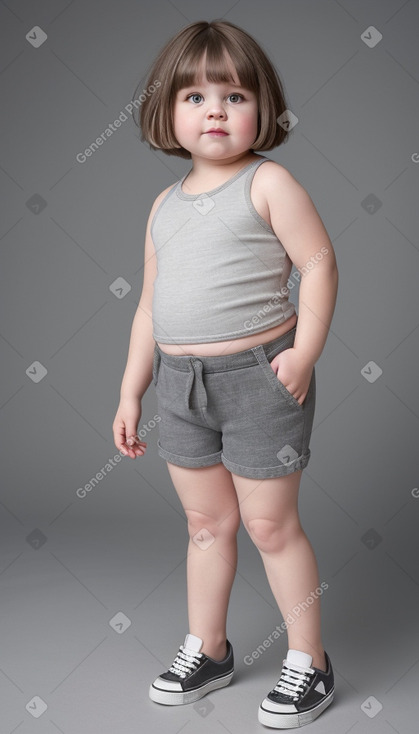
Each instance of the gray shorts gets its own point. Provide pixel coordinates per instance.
(232, 409)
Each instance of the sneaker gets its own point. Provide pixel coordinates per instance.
(300, 695)
(192, 674)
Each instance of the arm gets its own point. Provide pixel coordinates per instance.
(138, 371)
(317, 299)
(299, 227)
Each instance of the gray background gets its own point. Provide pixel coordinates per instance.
(68, 564)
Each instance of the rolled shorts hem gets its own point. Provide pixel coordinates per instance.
(251, 472)
(255, 472)
(195, 462)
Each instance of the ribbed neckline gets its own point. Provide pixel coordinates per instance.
(181, 194)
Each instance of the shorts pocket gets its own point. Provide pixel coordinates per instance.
(156, 365)
(277, 384)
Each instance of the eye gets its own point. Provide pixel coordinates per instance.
(195, 94)
(234, 94)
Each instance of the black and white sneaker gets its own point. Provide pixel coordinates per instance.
(300, 695)
(192, 674)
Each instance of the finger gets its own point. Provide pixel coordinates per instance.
(135, 445)
(131, 437)
(119, 436)
(139, 447)
(129, 448)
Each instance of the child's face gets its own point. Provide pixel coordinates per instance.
(207, 105)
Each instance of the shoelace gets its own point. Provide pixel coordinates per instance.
(185, 662)
(294, 681)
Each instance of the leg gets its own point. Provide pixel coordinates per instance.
(269, 509)
(209, 500)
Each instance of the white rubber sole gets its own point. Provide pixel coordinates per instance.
(175, 698)
(292, 721)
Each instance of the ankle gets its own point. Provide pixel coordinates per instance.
(319, 662)
(317, 653)
(215, 650)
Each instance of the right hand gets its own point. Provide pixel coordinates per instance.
(125, 428)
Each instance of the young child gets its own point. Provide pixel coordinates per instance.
(231, 361)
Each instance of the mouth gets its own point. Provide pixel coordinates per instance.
(215, 131)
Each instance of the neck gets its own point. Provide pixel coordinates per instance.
(205, 169)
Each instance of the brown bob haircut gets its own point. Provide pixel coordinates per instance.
(176, 67)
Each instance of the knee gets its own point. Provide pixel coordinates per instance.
(270, 535)
(226, 527)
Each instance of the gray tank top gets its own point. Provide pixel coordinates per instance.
(222, 273)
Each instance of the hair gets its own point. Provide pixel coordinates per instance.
(177, 65)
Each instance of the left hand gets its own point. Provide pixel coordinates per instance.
(294, 372)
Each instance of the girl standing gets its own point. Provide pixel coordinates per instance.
(231, 360)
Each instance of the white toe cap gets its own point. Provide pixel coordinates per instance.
(278, 708)
(167, 685)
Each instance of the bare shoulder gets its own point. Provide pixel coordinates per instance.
(165, 191)
(273, 177)
(159, 198)
(293, 216)
(283, 194)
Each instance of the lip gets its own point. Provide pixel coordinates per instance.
(216, 131)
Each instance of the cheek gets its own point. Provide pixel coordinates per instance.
(248, 125)
(183, 123)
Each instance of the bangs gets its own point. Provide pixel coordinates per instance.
(216, 65)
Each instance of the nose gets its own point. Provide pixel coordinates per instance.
(218, 115)
(216, 110)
